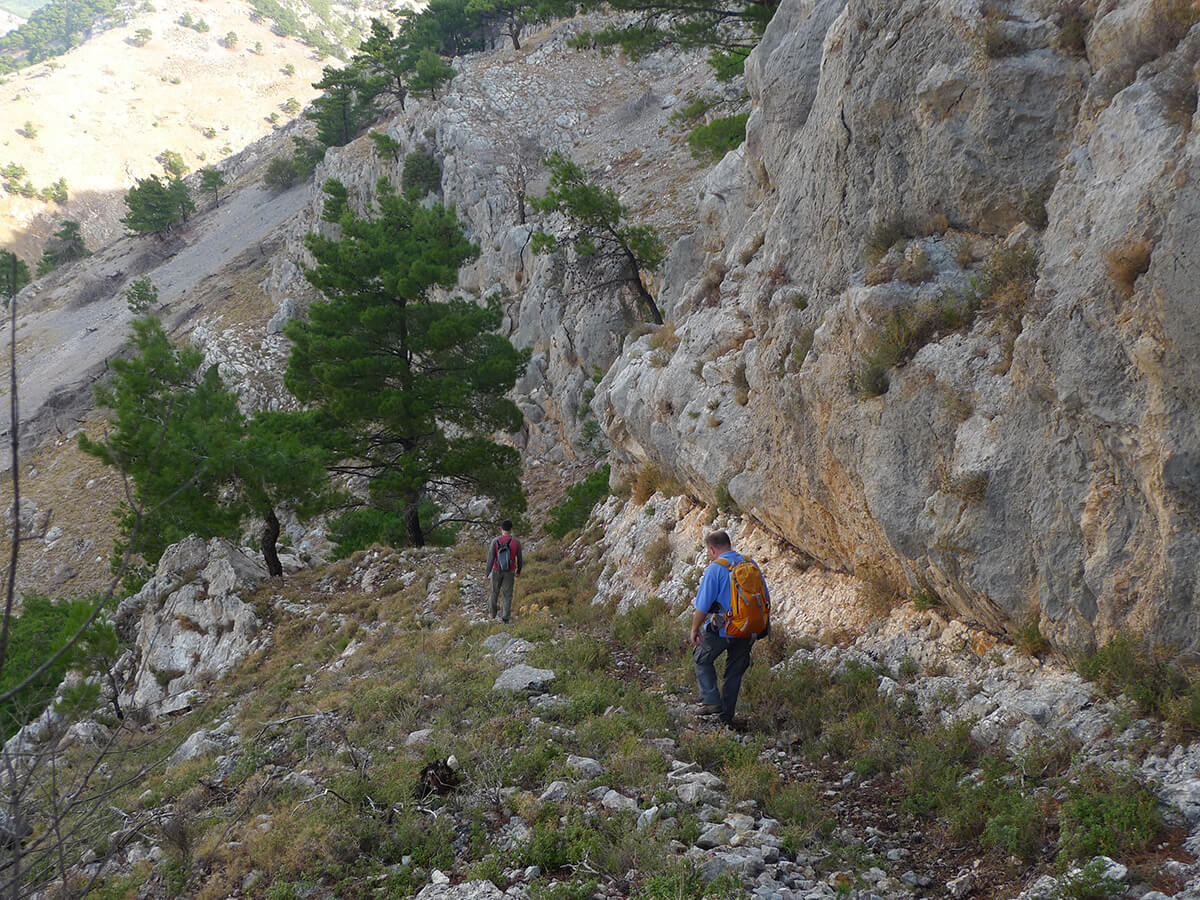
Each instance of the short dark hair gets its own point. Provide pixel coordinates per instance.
(718, 540)
(506, 525)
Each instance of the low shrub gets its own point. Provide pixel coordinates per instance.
(649, 481)
(1159, 687)
(281, 173)
(1107, 814)
(1127, 262)
(712, 141)
(754, 780)
(422, 175)
(658, 557)
(990, 39)
(716, 752)
(1003, 290)
(1029, 640)
(632, 626)
(664, 337)
(916, 268)
(884, 235)
(573, 512)
(1072, 32)
(695, 109)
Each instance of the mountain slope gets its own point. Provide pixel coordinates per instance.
(102, 113)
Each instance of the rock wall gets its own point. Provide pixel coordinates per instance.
(497, 120)
(1052, 476)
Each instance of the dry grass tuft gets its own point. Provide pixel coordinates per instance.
(1127, 262)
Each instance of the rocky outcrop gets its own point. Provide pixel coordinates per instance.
(491, 128)
(1045, 473)
(190, 623)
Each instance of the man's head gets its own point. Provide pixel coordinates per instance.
(717, 543)
(506, 526)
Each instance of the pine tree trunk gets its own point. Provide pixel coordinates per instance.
(644, 294)
(270, 535)
(412, 523)
(116, 693)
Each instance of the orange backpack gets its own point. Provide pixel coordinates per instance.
(749, 605)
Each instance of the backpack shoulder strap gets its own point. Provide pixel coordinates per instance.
(720, 560)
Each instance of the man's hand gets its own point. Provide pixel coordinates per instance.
(695, 638)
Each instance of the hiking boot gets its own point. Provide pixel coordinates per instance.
(738, 725)
(709, 709)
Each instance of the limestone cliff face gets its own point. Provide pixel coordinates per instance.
(1039, 462)
(1048, 472)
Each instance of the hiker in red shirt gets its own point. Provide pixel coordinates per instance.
(503, 566)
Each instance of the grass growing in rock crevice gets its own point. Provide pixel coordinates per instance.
(1001, 291)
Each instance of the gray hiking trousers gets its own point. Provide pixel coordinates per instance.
(502, 582)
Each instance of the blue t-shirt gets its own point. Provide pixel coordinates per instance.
(714, 586)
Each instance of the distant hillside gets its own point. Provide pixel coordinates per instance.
(9, 21)
(21, 8)
(182, 89)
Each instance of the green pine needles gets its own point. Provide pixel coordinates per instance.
(412, 387)
(729, 31)
(197, 465)
(600, 227)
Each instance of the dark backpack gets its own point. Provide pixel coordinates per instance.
(504, 554)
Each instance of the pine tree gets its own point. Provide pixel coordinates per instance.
(172, 431)
(415, 386)
(346, 107)
(431, 73)
(14, 275)
(211, 182)
(197, 465)
(509, 17)
(729, 31)
(65, 245)
(388, 57)
(156, 207)
(601, 226)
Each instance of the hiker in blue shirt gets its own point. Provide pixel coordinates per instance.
(708, 637)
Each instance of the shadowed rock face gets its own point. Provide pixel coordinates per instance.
(1049, 472)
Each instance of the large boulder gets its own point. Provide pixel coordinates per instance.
(192, 624)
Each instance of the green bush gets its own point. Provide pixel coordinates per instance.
(1107, 814)
(631, 627)
(694, 109)
(1090, 883)
(422, 175)
(1158, 686)
(281, 173)
(885, 235)
(42, 629)
(712, 141)
(573, 512)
